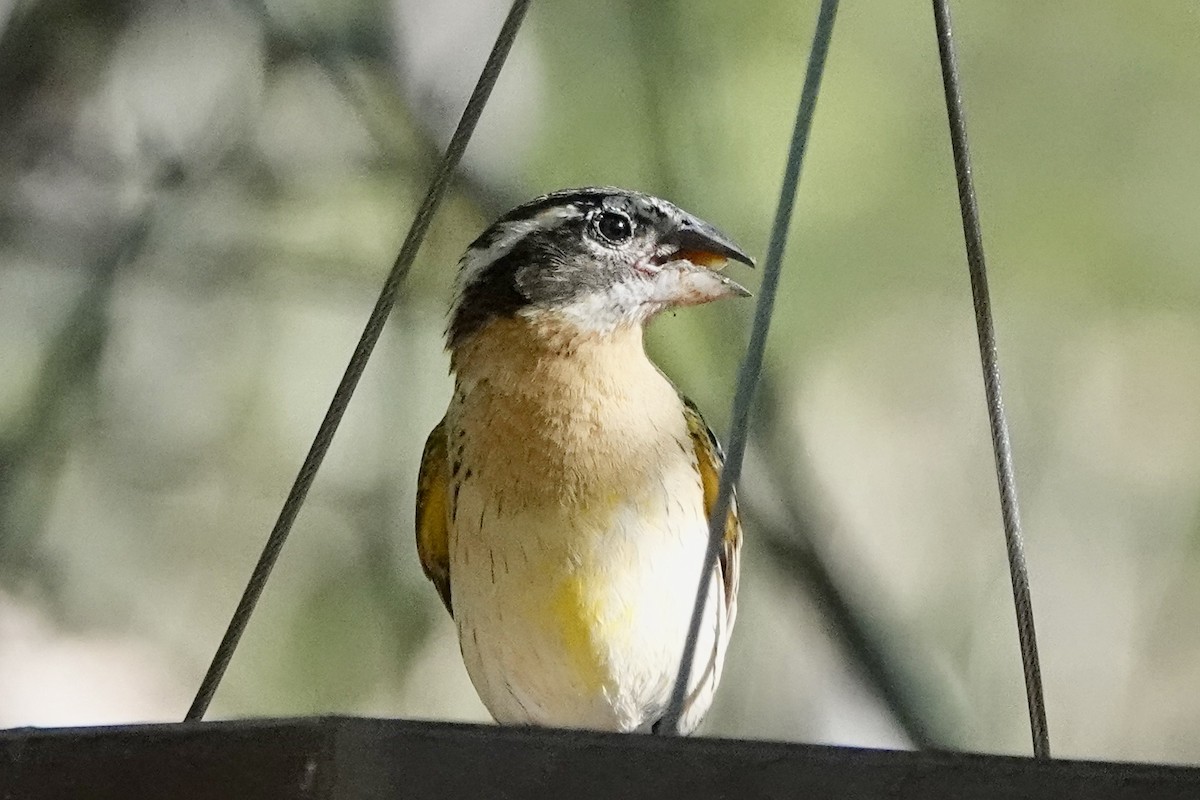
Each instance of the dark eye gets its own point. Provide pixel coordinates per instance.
(614, 227)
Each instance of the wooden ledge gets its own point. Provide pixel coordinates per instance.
(339, 758)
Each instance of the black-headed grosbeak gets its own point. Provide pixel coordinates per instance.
(563, 499)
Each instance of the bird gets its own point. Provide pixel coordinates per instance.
(563, 500)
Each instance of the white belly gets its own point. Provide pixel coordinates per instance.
(576, 616)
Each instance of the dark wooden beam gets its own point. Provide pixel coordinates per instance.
(338, 758)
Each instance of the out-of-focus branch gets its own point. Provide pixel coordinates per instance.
(859, 623)
(28, 459)
(366, 77)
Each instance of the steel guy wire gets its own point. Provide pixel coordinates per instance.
(751, 367)
(1001, 445)
(358, 360)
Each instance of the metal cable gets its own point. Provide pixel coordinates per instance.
(358, 360)
(751, 366)
(1001, 446)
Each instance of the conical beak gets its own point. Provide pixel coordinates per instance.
(704, 245)
(689, 276)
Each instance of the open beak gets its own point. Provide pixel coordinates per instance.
(692, 276)
(704, 245)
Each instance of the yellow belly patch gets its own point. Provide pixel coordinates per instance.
(575, 615)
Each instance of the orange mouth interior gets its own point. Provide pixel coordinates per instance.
(702, 259)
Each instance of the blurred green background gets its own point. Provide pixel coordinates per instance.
(198, 203)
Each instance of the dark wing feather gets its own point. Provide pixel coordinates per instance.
(710, 458)
(433, 513)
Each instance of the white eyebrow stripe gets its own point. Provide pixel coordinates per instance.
(476, 260)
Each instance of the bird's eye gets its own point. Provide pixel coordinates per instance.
(613, 226)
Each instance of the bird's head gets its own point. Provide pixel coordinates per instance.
(595, 259)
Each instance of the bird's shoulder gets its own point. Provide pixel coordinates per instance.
(710, 460)
(433, 508)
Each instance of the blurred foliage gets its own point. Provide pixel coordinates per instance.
(198, 202)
